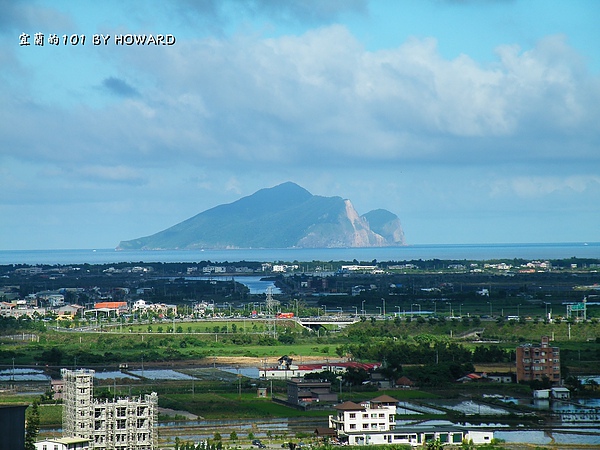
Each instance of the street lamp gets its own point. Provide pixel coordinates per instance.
(383, 301)
(411, 308)
(491, 315)
(379, 308)
(362, 308)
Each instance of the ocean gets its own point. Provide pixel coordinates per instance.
(478, 252)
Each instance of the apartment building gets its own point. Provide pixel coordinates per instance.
(120, 424)
(538, 361)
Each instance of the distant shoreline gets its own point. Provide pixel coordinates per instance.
(475, 252)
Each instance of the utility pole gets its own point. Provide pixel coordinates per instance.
(270, 305)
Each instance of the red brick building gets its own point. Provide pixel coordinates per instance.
(538, 361)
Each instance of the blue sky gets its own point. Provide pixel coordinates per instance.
(473, 121)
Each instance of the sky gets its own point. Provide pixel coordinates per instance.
(474, 121)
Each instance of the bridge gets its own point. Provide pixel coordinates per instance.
(314, 323)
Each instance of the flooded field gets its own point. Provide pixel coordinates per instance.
(470, 407)
(112, 375)
(18, 374)
(161, 374)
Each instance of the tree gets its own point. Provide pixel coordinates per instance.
(32, 427)
(434, 445)
(233, 436)
(54, 356)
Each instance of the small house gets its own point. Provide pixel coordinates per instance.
(560, 393)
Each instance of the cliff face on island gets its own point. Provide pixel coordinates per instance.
(284, 216)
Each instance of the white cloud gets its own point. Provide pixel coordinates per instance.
(532, 187)
(321, 94)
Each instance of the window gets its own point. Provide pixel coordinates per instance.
(352, 415)
(365, 426)
(381, 415)
(353, 426)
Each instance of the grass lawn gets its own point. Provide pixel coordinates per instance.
(50, 415)
(218, 406)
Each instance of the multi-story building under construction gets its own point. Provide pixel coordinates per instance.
(120, 424)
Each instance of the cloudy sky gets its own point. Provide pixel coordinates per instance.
(473, 121)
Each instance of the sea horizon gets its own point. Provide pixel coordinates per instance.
(479, 252)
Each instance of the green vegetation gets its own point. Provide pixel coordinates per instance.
(446, 344)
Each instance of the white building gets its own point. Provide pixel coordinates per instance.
(561, 393)
(373, 422)
(65, 443)
(369, 423)
(121, 424)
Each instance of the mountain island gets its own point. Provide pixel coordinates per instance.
(284, 216)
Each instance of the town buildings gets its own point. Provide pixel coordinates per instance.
(538, 362)
(118, 424)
